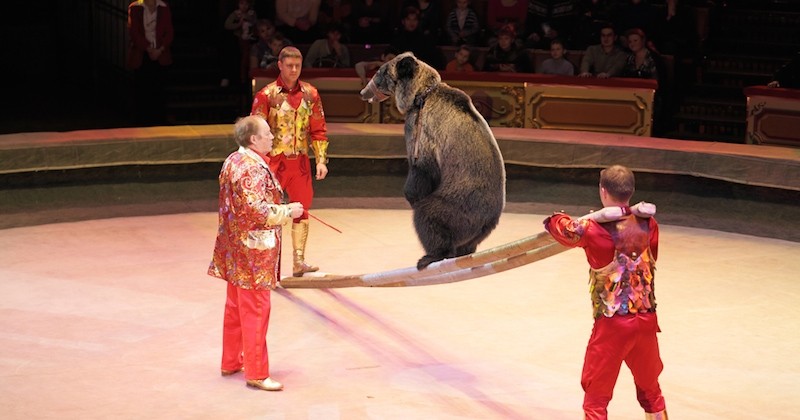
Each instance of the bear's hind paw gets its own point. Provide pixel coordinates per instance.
(426, 261)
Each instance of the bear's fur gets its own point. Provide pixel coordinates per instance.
(456, 177)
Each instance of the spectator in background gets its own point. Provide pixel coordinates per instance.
(297, 19)
(557, 64)
(429, 17)
(410, 38)
(641, 63)
(242, 24)
(502, 13)
(149, 56)
(460, 63)
(369, 22)
(606, 59)
(507, 55)
(264, 55)
(329, 51)
(362, 67)
(462, 24)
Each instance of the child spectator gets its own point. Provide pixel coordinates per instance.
(507, 55)
(462, 24)
(460, 63)
(557, 64)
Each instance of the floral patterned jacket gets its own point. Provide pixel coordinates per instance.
(247, 252)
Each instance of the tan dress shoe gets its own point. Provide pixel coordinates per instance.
(268, 384)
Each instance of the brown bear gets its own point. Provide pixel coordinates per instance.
(456, 176)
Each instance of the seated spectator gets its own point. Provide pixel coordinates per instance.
(267, 57)
(507, 56)
(606, 59)
(460, 63)
(641, 62)
(410, 38)
(329, 51)
(265, 30)
(242, 24)
(362, 67)
(788, 76)
(462, 24)
(297, 19)
(369, 22)
(502, 13)
(429, 22)
(557, 64)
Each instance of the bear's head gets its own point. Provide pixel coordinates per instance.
(404, 77)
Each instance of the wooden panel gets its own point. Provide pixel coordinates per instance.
(773, 116)
(601, 109)
(512, 100)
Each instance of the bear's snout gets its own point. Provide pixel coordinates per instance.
(371, 93)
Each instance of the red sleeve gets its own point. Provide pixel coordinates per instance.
(587, 234)
(317, 125)
(260, 104)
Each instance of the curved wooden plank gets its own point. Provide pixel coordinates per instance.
(493, 260)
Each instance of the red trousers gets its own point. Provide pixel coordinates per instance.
(244, 332)
(295, 174)
(622, 338)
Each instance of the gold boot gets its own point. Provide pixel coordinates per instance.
(661, 415)
(299, 237)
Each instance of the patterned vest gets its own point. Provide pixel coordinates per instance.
(626, 285)
(289, 126)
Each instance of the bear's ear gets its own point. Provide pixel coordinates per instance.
(406, 68)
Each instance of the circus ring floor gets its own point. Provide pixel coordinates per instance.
(108, 312)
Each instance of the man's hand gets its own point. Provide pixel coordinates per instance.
(296, 209)
(322, 171)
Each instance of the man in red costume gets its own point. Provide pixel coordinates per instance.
(247, 252)
(293, 109)
(621, 245)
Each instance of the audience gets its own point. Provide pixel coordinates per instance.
(606, 59)
(557, 64)
(241, 23)
(265, 56)
(329, 51)
(410, 38)
(460, 63)
(505, 13)
(429, 21)
(362, 67)
(462, 25)
(641, 62)
(507, 55)
(297, 19)
(369, 22)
